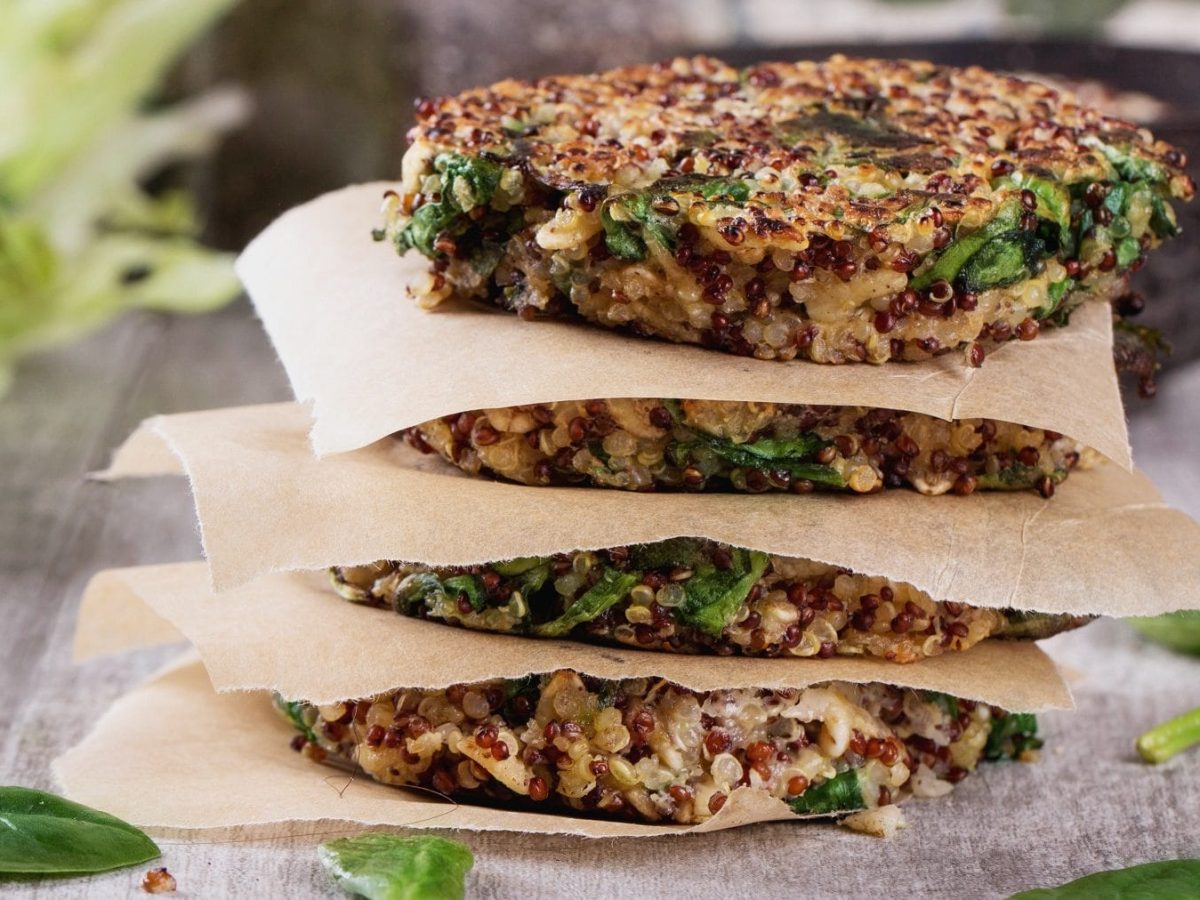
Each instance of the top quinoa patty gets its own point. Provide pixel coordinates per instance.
(846, 210)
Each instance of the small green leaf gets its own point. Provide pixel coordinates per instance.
(41, 834)
(791, 455)
(426, 224)
(1005, 259)
(1128, 166)
(1162, 217)
(713, 598)
(947, 703)
(515, 127)
(293, 711)
(842, 793)
(732, 188)
(419, 587)
(530, 572)
(1178, 878)
(1053, 201)
(763, 451)
(1115, 201)
(608, 591)
(709, 187)
(1128, 249)
(1057, 292)
(620, 238)
(819, 122)
(532, 581)
(382, 866)
(511, 567)
(688, 552)
(961, 249)
(659, 226)
(467, 182)
(780, 449)
(486, 257)
(472, 586)
(1017, 477)
(1011, 735)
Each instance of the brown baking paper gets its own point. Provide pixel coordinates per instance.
(172, 754)
(333, 302)
(1105, 543)
(292, 634)
(112, 619)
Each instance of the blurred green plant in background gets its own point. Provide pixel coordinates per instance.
(1063, 17)
(1179, 630)
(1060, 18)
(80, 238)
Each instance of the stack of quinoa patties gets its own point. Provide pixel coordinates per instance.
(848, 212)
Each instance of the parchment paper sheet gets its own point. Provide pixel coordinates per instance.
(333, 302)
(113, 618)
(290, 633)
(1105, 543)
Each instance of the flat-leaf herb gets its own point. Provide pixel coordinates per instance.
(1170, 878)
(842, 793)
(42, 834)
(608, 591)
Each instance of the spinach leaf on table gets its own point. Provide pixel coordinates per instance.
(1174, 878)
(382, 866)
(41, 834)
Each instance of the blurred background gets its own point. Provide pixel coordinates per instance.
(146, 141)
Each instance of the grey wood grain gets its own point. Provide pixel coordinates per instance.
(1088, 805)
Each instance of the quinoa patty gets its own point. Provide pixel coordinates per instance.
(699, 445)
(656, 752)
(847, 210)
(688, 595)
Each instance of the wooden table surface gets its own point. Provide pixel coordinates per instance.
(1006, 830)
